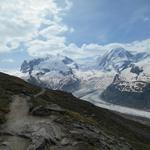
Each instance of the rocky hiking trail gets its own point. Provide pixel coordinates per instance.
(17, 120)
(23, 131)
(19, 123)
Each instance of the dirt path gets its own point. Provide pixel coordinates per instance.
(18, 115)
(40, 93)
(17, 119)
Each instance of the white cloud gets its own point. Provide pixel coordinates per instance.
(20, 21)
(39, 48)
(93, 50)
(86, 50)
(8, 60)
(140, 46)
(39, 25)
(53, 29)
(56, 45)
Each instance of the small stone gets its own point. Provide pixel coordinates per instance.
(40, 111)
(65, 141)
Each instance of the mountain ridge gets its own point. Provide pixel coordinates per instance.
(94, 127)
(119, 59)
(55, 72)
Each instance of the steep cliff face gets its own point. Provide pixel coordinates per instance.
(131, 87)
(40, 119)
(123, 93)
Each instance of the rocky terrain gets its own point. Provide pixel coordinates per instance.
(131, 87)
(123, 93)
(32, 118)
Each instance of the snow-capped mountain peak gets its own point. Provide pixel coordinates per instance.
(119, 59)
(118, 52)
(54, 72)
(116, 59)
(51, 63)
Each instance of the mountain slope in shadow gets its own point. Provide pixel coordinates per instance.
(32, 118)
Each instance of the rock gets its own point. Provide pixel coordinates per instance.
(134, 94)
(65, 141)
(85, 146)
(77, 125)
(40, 111)
(4, 147)
(56, 108)
(46, 110)
(136, 69)
(38, 143)
(43, 133)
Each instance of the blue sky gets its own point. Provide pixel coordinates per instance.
(76, 28)
(107, 21)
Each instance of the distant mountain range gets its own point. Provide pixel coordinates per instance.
(62, 73)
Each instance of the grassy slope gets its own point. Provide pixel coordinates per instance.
(136, 134)
(9, 86)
